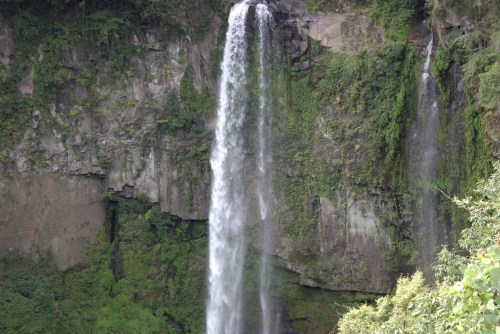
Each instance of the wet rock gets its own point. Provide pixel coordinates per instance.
(50, 212)
(348, 244)
(6, 42)
(73, 58)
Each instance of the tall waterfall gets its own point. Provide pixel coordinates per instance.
(424, 155)
(264, 161)
(228, 210)
(228, 206)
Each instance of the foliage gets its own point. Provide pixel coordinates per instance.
(197, 104)
(40, 47)
(344, 123)
(484, 214)
(186, 110)
(174, 117)
(439, 68)
(392, 312)
(466, 297)
(395, 16)
(476, 300)
(37, 298)
(489, 86)
(475, 50)
(377, 86)
(447, 267)
(149, 280)
(484, 10)
(478, 165)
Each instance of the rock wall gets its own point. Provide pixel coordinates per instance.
(60, 213)
(341, 243)
(106, 137)
(109, 138)
(344, 250)
(146, 130)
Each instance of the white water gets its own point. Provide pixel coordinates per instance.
(429, 124)
(228, 210)
(425, 73)
(264, 162)
(228, 206)
(424, 154)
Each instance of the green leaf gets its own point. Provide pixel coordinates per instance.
(491, 305)
(495, 278)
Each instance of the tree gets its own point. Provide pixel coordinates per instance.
(466, 297)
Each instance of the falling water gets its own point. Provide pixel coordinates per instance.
(264, 161)
(227, 210)
(428, 234)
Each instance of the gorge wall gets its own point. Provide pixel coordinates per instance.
(102, 108)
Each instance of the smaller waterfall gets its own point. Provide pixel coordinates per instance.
(264, 161)
(429, 140)
(428, 233)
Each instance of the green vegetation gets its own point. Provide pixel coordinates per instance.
(472, 51)
(40, 53)
(37, 298)
(476, 51)
(306, 309)
(439, 68)
(150, 279)
(465, 298)
(394, 16)
(48, 32)
(175, 116)
(199, 105)
(343, 125)
(355, 105)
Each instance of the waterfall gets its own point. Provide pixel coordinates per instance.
(264, 162)
(424, 154)
(430, 124)
(227, 215)
(228, 209)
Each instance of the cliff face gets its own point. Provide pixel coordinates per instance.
(127, 109)
(136, 132)
(116, 133)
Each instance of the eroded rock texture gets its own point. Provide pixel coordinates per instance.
(131, 134)
(112, 137)
(107, 137)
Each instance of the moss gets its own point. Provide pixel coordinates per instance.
(40, 44)
(310, 309)
(478, 161)
(296, 154)
(305, 309)
(198, 104)
(163, 272)
(395, 16)
(345, 122)
(439, 70)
